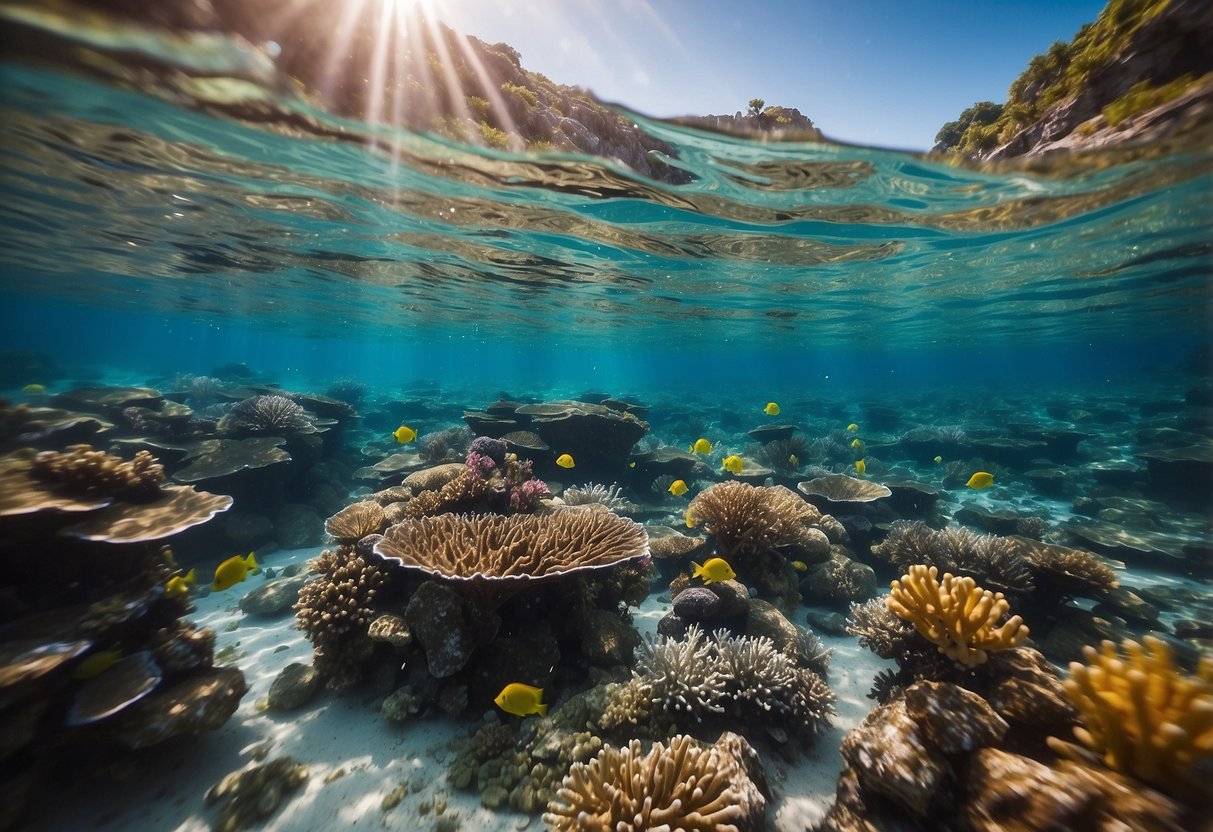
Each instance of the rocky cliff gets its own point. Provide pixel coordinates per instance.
(1142, 72)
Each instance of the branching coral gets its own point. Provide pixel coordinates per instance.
(956, 615)
(1142, 715)
(693, 679)
(746, 519)
(267, 414)
(82, 470)
(335, 610)
(687, 786)
(492, 481)
(608, 496)
(992, 560)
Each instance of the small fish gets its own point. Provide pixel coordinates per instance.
(938, 460)
(169, 558)
(521, 700)
(980, 480)
(732, 464)
(97, 664)
(677, 488)
(565, 461)
(771, 409)
(713, 570)
(861, 467)
(33, 389)
(176, 587)
(852, 428)
(689, 518)
(404, 435)
(234, 570)
(701, 446)
(631, 464)
(793, 460)
(856, 443)
(799, 565)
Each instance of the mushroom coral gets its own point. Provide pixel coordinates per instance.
(1142, 715)
(686, 786)
(955, 614)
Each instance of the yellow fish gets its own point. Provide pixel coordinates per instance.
(404, 435)
(565, 461)
(856, 443)
(34, 390)
(631, 464)
(799, 565)
(793, 460)
(677, 488)
(861, 467)
(732, 463)
(169, 557)
(233, 570)
(852, 427)
(771, 409)
(713, 570)
(701, 446)
(689, 517)
(980, 480)
(521, 700)
(97, 664)
(938, 460)
(179, 585)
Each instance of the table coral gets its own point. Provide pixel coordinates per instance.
(1142, 715)
(960, 618)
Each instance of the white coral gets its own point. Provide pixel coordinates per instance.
(610, 497)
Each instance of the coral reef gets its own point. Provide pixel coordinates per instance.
(82, 470)
(492, 480)
(687, 785)
(607, 496)
(745, 519)
(334, 611)
(957, 616)
(266, 415)
(1142, 716)
(990, 560)
(684, 683)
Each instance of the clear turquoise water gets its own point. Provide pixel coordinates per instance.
(145, 237)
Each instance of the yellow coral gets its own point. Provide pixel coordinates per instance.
(956, 614)
(1142, 715)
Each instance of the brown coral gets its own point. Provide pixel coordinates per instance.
(996, 562)
(685, 786)
(1142, 715)
(335, 610)
(516, 548)
(746, 519)
(356, 521)
(82, 470)
(955, 614)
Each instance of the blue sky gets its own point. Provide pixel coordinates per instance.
(875, 72)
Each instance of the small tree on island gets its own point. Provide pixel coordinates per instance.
(756, 107)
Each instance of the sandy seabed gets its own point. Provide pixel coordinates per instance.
(348, 734)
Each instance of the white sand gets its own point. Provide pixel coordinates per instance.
(347, 733)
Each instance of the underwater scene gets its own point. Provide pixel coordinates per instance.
(353, 475)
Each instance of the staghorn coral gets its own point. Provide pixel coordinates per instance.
(1065, 571)
(1142, 716)
(692, 680)
(956, 615)
(82, 470)
(687, 786)
(748, 519)
(334, 611)
(267, 414)
(879, 629)
(356, 521)
(991, 560)
(607, 496)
